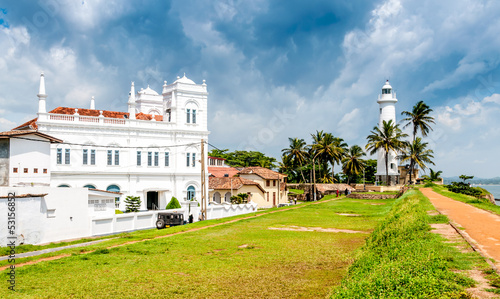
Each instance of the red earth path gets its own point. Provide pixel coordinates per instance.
(481, 226)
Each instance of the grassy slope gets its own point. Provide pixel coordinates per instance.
(402, 259)
(478, 203)
(212, 263)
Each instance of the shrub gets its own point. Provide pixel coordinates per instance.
(429, 184)
(173, 204)
(132, 204)
(118, 212)
(240, 198)
(463, 188)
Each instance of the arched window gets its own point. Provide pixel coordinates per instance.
(89, 186)
(227, 197)
(217, 197)
(63, 186)
(190, 193)
(113, 188)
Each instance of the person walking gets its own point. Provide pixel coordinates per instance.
(337, 192)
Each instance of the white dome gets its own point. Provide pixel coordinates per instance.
(148, 91)
(387, 85)
(184, 80)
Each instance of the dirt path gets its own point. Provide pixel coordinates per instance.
(482, 227)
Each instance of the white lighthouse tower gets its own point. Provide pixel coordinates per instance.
(387, 104)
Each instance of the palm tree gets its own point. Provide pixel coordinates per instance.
(433, 176)
(352, 162)
(388, 139)
(418, 154)
(297, 152)
(340, 149)
(419, 118)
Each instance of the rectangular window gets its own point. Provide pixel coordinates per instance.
(15, 170)
(45, 170)
(167, 159)
(267, 183)
(117, 157)
(138, 158)
(274, 183)
(194, 116)
(92, 157)
(156, 158)
(85, 156)
(66, 156)
(35, 170)
(187, 159)
(194, 160)
(150, 158)
(59, 156)
(267, 196)
(110, 157)
(188, 115)
(26, 170)
(169, 114)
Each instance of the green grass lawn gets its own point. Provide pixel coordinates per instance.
(478, 203)
(242, 259)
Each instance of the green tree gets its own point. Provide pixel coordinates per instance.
(132, 204)
(352, 163)
(296, 154)
(370, 170)
(327, 149)
(466, 177)
(387, 139)
(244, 158)
(418, 154)
(173, 204)
(419, 119)
(433, 176)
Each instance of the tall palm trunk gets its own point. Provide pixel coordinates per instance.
(386, 167)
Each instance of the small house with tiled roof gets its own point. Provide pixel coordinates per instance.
(152, 150)
(267, 188)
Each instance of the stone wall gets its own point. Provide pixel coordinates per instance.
(372, 196)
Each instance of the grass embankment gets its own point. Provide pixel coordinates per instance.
(403, 259)
(480, 203)
(296, 191)
(244, 259)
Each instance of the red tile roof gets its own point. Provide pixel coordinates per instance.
(105, 113)
(264, 173)
(17, 133)
(219, 172)
(31, 125)
(234, 183)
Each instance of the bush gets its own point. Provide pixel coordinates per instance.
(429, 184)
(463, 188)
(132, 204)
(118, 212)
(240, 198)
(173, 204)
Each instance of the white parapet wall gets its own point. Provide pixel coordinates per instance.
(144, 220)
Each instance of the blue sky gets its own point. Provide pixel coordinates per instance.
(274, 69)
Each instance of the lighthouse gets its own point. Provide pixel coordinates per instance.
(387, 111)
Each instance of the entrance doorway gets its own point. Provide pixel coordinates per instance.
(152, 200)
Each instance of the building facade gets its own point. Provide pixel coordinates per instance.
(152, 151)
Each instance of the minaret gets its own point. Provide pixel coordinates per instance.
(41, 95)
(131, 102)
(387, 104)
(92, 103)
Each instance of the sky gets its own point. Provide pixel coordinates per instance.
(274, 69)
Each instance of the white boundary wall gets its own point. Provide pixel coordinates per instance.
(144, 220)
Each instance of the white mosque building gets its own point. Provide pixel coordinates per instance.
(151, 151)
(387, 104)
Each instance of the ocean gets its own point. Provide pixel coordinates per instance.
(493, 189)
